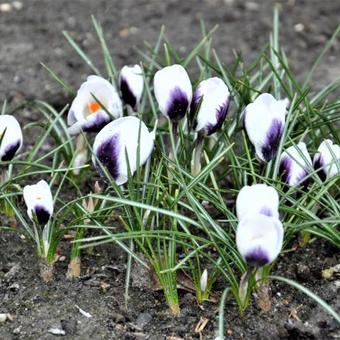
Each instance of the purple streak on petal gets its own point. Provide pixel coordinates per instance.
(127, 95)
(177, 105)
(108, 153)
(302, 177)
(42, 214)
(285, 169)
(257, 257)
(221, 114)
(266, 211)
(269, 149)
(10, 151)
(318, 164)
(71, 118)
(101, 119)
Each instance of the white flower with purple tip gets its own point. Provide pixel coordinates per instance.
(131, 85)
(10, 137)
(327, 160)
(295, 164)
(257, 199)
(209, 105)
(259, 239)
(90, 109)
(39, 202)
(118, 139)
(173, 91)
(264, 121)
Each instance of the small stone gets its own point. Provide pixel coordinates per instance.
(299, 27)
(118, 318)
(143, 319)
(252, 6)
(56, 331)
(302, 271)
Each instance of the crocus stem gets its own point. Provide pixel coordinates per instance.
(196, 162)
(46, 270)
(80, 154)
(3, 175)
(243, 288)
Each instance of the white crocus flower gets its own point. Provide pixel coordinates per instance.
(39, 202)
(131, 85)
(209, 105)
(295, 164)
(204, 280)
(264, 121)
(10, 137)
(97, 101)
(259, 239)
(257, 198)
(327, 159)
(173, 91)
(118, 139)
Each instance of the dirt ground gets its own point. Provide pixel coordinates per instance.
(31, 35)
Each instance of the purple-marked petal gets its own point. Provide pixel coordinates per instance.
(108, 154)
(269, 149)
(97, 123)
(42, 214)
(127, 94)
(10, 151)
(177, 105)
(257, 257)
(285, 169)
(221, 114)
(266, 211)
(318, 164)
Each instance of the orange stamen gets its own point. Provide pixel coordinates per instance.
(94, 107)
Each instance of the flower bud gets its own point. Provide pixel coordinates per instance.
(209, 105)
(173, 91)
(39, 202)
(264, 121)
(259, 239)
(295, 164)
(131, 85)
(327, 159)
(10, 137)
(119, 139)
(89, 110)
(257, 199)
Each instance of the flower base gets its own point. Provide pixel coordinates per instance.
(74, 268)
(46, 270)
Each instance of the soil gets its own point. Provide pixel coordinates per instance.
(32, 35)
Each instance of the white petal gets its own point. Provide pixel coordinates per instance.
(264, 122)
(329, 154)
(258, 198)
(259, 238)
(172, 84)
(10, 137)
(123, 134)
(38, 195)
(295, 164)
(94, 88)
(213, 95)
(131, 84)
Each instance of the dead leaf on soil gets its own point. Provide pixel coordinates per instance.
(201, 325)
(294, 313)
(329, 272)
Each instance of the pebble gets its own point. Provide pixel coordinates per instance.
(143, 319)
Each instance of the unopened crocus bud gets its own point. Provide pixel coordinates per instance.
(257, 198)
(131, 85)
(173, 91)
(264, 121)
(295, 164)
(123, 137)
(10, 137)
(204, 280)
(209, 105)
(327, 160)
(97, 101)
(39, 202)
(259, 239)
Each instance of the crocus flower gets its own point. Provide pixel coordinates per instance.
(39, 202)
(257, 199)
(90, 109)
(173, 91)
(209, 105)
(264, 121)
(327, 159)
(259, 239)
(131, 85)
(295, 164)
(10, 137)
(119, 139)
